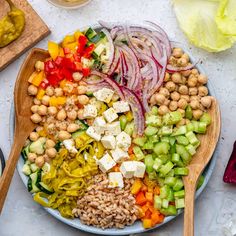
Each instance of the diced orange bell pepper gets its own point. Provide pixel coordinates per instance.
(40, 94)
(141, 212)
(156, 190)
(36, 81)
(144, 188)
(68, 39)
(148, 214)
(77, 34)
(147, 223)
(130, 150)
(149, 196)
(132, 157)
(61, 52)
(72, 46)
(116, 168)
(137, 185)
(140, 198)
(53, 49)
(156, 219)
(145, 208)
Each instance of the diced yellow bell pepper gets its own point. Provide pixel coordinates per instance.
(137, 185)
(40, 198)
(77, 34)
(36, 81)
(32, 76)
(42, 133)
(63, 83)
(40, 94)
(72, 46)
(53, 49)
(147, 223)
(129, 116)
(68, 39)
(57, 101)
(61, 52)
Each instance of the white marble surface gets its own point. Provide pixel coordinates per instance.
(215, 207)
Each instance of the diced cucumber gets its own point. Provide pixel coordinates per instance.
(98, 37)
(172, 149)
(44, 188)
(140, 141)
(164, 158)
(46, 168)
(165, 203)
(178, 185)
(160, 181)
(171, 210)
(129, 129)
(172, 118)
(82, 124)
(175, 157)
(189, 112)
(37, 147)
(26, 169)
(149, 162)
(90, 33)
(153, 121)
(148, 146)
(172, 140)
(206, 118)
(34, 167)
(200, 181)
(35, 179)
(29, 185)
(179, 203)
(150, 130)
(171, 173)
(162, 148)
(77, 134)
(202, 127)
(157, 202)
(123, 122)
(58, 146)
(99, 49)
(25, 151)
(182, 140)
(138, 153)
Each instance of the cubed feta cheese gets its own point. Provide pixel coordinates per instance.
(110, 115)
(119, 155)
(99, 125)
(140, 169)
(90, 111)
(121, 106)
(123, 140)
(109, 141)
(104, 95)
(106, 163)
(93, 134)
(113, 128)
(69, 145)
(128, 169)
(115, 180)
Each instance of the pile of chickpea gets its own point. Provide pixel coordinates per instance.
(182, 88)
(56, 121)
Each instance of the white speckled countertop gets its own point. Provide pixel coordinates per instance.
(215, 207)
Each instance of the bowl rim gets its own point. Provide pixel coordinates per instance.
(69, 7)
(136, 227)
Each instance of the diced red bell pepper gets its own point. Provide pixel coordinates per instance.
(86, 71)
(82, 43)
(88, 51)
(49, 66)
(66, 50)
(44, 84)
(67, 74)
(59, 60)
(77, 58)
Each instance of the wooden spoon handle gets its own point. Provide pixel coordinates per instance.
(189, 209)
(8, 172)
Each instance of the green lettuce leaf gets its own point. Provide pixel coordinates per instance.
(226, 17)
(197, 20)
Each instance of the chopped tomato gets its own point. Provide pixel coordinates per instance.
(140, 198)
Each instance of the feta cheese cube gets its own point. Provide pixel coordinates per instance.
(70, 145)
(109, 141)
(123, 140)
(99, 125)
(113, 128)
(140, 169)
(115, 180)
(104, 95)
(90, 111)
(93, 134)
(128, 169)
(110, 115)
(119, 155)
(106, 163)
(121, 106)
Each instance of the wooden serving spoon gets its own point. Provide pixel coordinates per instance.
(23, 124)
(198, 164)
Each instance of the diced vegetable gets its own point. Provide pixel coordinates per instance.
(162, 148)
(138, 153)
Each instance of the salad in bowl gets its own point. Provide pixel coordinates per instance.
(118, 113)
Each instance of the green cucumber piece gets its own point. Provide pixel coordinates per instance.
(140, 141)
(149, 162)
(170, 211)
(138, 153)
(161, 148)
(44, 188)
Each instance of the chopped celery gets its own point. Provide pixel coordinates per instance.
(172, 118)
(191, 149)
(165, 203)
(189, 112)
(164, 191)
(179, 194)
(123, 121)
(150, 130)
(162, 148)
(192, 138)
(202, 126)
(170, 196)
(165, 139)
(195, 126)
(148, 145)
(185, 155)
(170, 181)
(181, 171)
(157, 202)
(129, 128)
(153, 139)
(200, 181)
(171, 173)
(138, 153)
(149, 162)
(160, 181)
(182, 140)
(171, 210)
(164, 158)
(175, 157)
(173, 149)
(180, 131)
(179, 203)
(165, 169)
(157, 164)
(152, 175)
(206, 118)
(190, 127)
(165, 130)
(172, 140)
(197, 144)
(140, 141)
(153, 121)
(178, 185)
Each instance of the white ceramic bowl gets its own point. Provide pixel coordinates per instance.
(137, 226)
(69, 5)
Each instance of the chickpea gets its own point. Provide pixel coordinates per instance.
(81, 89)
(34, 108)
(49, 143)
(72, 128)
(32, 157)
(58, 92)
(36, 118)
(186, 56)
(39, 128)
(195, 98)
(182, 103)
(166, 102)
(175, 96)
(33, 136)
(50, 91)
(202, 79)
(51, 152)
(32, 90)
(182, 111)
(45, 100)
(187, 121)
(193, 91)
(192, 81)
(197, 114)
(177, 52)
(46, 158)
(39, 161)
(83, 99)
(167, 77)
(81, 114)
(186, 73)
(194, 104)
(153, 99)
(176, 78)
(182, 61)
(170, 85)
(42, 110)
(62, 135)
(52, 111)
(206, 101)
(61, 115)
(159, 98)
(163, 109)
(184, 80)
(39, 66)
(186, 97)
(72, 115)
(202, 91)
(77, 76)
(36, 101)
(165, 92)
(181, 123)
(194, 71)
(183, 89)
(61, 125)
(173, 105)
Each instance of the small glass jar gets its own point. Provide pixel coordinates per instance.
(69, 4)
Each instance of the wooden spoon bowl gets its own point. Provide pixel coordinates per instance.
(198, 164)
(23, 124)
